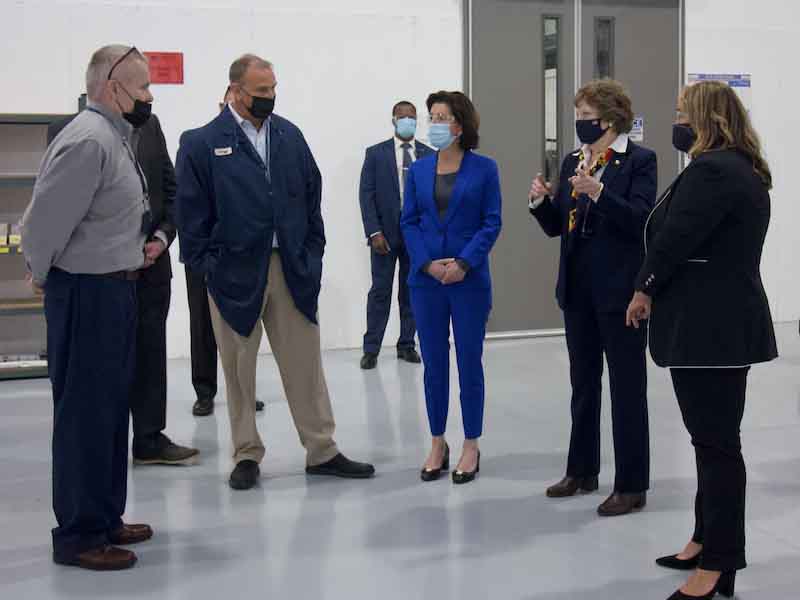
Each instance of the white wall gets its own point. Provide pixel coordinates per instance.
(739, 36)
(340, 66)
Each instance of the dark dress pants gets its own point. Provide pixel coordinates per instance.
(712, 404)
(203, 343)
(379, 300)
(149, 393)
(91, 347)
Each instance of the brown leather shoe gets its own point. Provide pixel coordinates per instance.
(569, 486)
(618, 504)
(105, 558)
(130, 534)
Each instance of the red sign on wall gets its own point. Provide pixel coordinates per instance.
(165, 67)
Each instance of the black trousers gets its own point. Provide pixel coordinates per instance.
(590, 334)
(91, 346)
(379, 300)
(149, 392)
(712, 405)
(203, 342)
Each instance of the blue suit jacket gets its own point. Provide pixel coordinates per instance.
(469, 228)
(227, 213)
(379, 190)
(618, 220)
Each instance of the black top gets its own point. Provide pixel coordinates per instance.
(444, 191)
(702, 268)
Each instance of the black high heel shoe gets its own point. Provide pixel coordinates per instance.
(460, 477)
(679, 564)
(726, 586)
(434, 474)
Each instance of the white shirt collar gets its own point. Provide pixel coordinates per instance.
(620, 146)
(241, 120)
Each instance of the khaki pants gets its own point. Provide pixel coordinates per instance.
(296, 345)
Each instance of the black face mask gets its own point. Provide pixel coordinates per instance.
(141, 110)
(683, 137)
(589, 130)
(262, 107)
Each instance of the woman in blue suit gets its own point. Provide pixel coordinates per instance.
(451, 220)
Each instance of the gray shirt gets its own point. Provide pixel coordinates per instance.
(88, 202)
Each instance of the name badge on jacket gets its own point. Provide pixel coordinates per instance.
(223, 151)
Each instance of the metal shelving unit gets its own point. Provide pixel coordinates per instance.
(23, 333)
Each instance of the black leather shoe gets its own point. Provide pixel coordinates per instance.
(259, 406)
(679, 564)
(618, 504)
(434, 474)
(569, 486)
(203, 407)
(245, 475)
(409, 355)
(460, 477)
(726, 586)
(369, 361)
(341, 466)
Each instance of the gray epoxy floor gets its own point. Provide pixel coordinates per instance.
(394, 537)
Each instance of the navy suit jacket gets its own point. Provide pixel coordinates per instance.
(227, 213)
(469, 228)
(618, 220)
(379, 190)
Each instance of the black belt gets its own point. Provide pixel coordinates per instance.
(123, 275)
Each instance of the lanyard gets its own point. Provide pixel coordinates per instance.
(142, 180)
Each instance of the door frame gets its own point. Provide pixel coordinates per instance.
(466, 21)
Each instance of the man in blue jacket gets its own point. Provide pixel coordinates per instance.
(381, 197)
(249, 219)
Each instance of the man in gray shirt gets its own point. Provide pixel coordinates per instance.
(84, 236)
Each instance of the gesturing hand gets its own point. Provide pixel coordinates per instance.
(583, 183)
(539, 188)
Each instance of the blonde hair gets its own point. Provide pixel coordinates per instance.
(722, 123)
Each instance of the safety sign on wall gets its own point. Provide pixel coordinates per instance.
(165, 67)
(637, 132)
(740, 82)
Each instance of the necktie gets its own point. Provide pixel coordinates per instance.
(407, 160)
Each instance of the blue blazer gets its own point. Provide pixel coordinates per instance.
(227, 213)
(469, 228)
(379, 190)
(618, 220)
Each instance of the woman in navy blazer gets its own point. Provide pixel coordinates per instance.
(450, 221)
(607, 189)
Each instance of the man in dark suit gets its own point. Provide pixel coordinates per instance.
(248, 209)
(149, 394)
(381, 197)
(202, 342)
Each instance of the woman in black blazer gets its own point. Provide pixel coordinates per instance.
(710, 318)
(606, 190)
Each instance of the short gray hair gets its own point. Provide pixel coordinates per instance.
(100, 66)
(244, 62)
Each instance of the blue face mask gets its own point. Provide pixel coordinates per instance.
(440, 135)
(405, 127)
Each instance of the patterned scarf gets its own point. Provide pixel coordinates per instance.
(601, 162)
